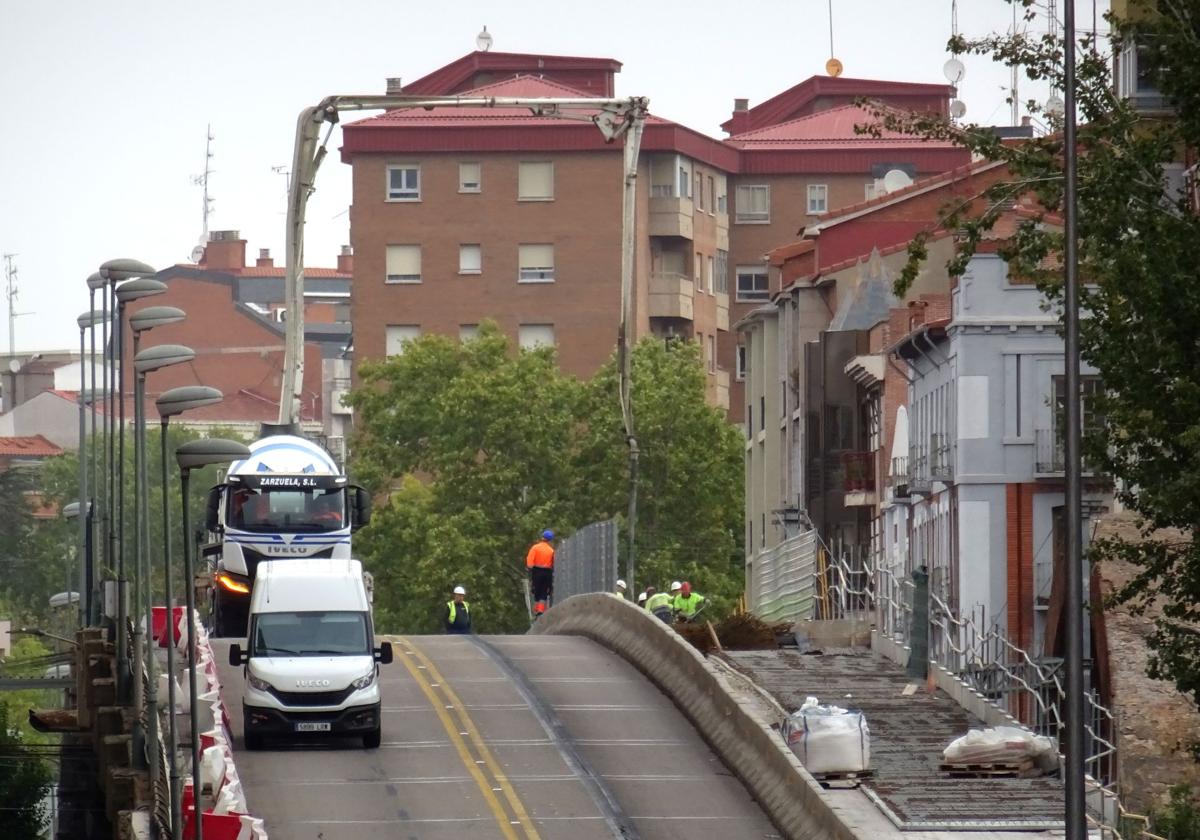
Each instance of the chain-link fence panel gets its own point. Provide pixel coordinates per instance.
(587, 561)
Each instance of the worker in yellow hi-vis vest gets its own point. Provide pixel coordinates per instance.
(458, 612)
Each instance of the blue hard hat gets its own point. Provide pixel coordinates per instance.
(547, 534)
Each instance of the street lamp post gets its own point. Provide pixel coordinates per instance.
(87, 321)
(189, 456)
(169, 404)
(95, 282)
(144, 362)
(126, 292)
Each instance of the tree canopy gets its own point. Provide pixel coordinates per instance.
(473, 449)
(1137, 235)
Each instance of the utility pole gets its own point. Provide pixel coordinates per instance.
(202, 181)
(11, 292)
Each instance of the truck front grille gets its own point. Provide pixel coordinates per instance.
(313, 698)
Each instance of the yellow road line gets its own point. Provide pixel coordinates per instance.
(502, 818)
(469, 726)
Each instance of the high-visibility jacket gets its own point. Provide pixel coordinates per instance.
(453, 624)
(688, 606)
(540, 556)
(657, 601)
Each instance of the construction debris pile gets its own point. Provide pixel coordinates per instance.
(741, 631)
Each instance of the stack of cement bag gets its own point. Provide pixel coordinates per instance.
(828, 739)
(1003, 745)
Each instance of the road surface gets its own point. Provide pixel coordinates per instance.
(517, 737)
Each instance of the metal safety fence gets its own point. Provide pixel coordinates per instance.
(782, 580)
(983, 658)
(586, 561)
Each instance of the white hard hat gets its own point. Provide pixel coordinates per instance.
(620, 583)
(642, 597)
(676, 586)
(458, 590)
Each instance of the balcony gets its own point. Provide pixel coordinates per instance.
(898, 477)
(858, 479)
(340, 387)
(941, 460)
(722, 310)
(671, 216)
(1051, 456)
(671, 296)
(919, 479)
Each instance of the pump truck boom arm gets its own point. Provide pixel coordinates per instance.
(613, 117)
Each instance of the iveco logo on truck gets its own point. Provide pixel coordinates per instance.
(312, 683)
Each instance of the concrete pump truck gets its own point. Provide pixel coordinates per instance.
(289, 499)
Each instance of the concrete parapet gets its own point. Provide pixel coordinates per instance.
(773, 776)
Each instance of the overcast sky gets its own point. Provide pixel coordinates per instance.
(106, 104)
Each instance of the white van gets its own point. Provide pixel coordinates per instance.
(311, 666)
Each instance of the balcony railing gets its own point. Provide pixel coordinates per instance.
(941, 461)
(918, 476)
(671, 295)
(858, 472)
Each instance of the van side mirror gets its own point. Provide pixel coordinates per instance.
(383, 653)
(237, 656)
(212, 510)
(360, 507)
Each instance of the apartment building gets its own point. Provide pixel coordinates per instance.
(461, 215)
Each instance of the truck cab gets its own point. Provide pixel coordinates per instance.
(288, 500)
(311, 664)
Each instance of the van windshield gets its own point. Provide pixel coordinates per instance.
(287, 511)
(310, 634)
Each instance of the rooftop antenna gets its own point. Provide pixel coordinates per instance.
(483, 41)
(287, 181)
(202, 181)
(833, 67)
(954, 69)
(1054, 102)
(1015, 104)
(10, 291)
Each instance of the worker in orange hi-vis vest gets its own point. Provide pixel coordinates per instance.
(540, 562)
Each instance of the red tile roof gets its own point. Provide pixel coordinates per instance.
(28, 447)
(445, 80)
(832, 127)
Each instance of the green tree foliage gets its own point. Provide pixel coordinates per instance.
(474, 449)
(24, 781)
(1179, 819)
(1137, 252)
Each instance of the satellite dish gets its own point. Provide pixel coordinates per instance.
(895, 179)
(197, 253)
(833, 67)
(957, 108)
(483, 41)
(14, 365)
(954, 71)
(1055, 106)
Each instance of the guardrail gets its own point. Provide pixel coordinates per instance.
(1005, 676)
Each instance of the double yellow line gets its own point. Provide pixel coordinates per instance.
(472, 750)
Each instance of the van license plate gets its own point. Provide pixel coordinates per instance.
(312, 727)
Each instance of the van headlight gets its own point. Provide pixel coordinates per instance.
(256, 683)
(365, 680)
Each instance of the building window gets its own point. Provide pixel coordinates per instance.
(753, 204)
(708, 281)
(470, 259)
(469, 178)
(722, 200)
(533, 336)
(404, 182)
(535, 181)
(537, 264)
(468, 332)
(722, 272)
(404, 263)
(398, 335)
(685, 183)
(698, 272)
(1090, 388)
(711, 352)
(752, 283)
(818, 199)
(700, 191)
(712, 194)
(740, 369)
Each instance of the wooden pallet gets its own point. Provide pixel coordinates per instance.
(842, 781)
(1021, 770)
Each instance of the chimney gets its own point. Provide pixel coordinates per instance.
(345, 263)
(740, 121)
(226, 251)
(264, 258)
(395, 86)
(1026, 121)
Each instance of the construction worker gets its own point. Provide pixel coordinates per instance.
(645, 596)
(620, 593)
(458, 613)
(642, 600)
(687, 603)
(660, 605)
(540, 562)
(675, 587)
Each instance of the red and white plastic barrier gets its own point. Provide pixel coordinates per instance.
(227, 819)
